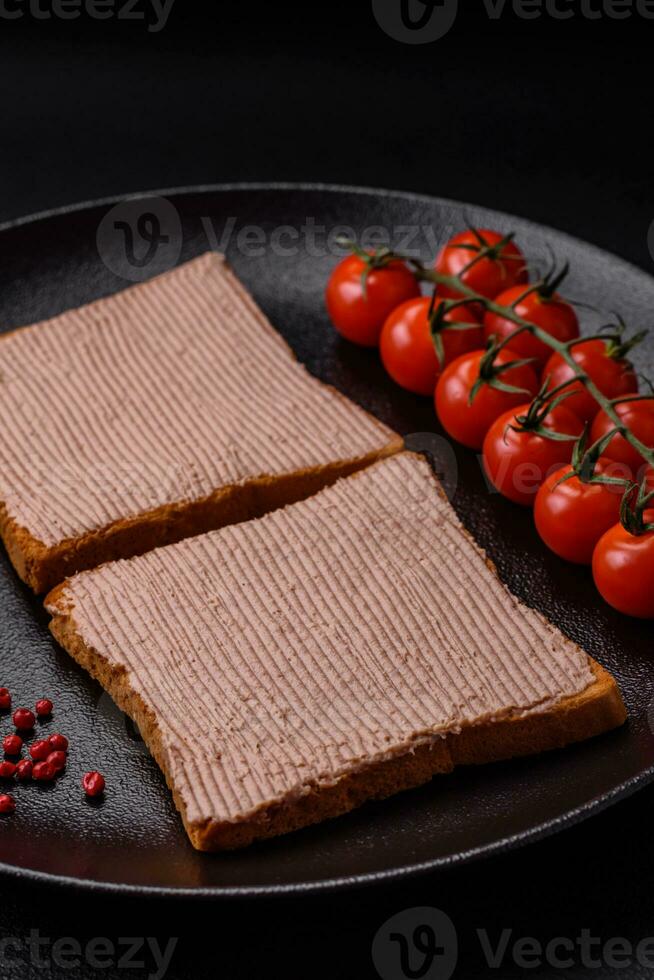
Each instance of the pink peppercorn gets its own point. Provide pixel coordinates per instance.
(7, 804)
(24, 719)
(93, 784)
(57, 760)
(44, 707)
(24, 770)
(58, 743)
(7, 770)
(43, 772)
(12, 744)
(40, 750)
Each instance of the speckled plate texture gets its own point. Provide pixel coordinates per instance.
(281, 242)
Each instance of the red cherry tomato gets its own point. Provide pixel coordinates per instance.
(469, 423)
(518, 462)
(360, 315)
(572, 517)
(614, 378)
(553, 315)
(407, 349)
(488, 276)
(638, 416)
(623, 569)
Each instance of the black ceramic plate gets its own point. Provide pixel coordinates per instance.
(280, 241)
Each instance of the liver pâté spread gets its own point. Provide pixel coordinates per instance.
(158, 396)
(275, 656)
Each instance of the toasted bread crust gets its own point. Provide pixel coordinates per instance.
(42, 567)
(595, 710)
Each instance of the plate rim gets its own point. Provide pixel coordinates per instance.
(338, 884)
(542, 831)
(313, 186)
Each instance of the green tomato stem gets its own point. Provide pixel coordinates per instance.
(558, 346)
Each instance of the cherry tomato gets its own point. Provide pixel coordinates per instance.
(553, 315)
(572, 517)
(614, 378)
(360, 316)
(488, 276)
(407, 349)
(518, 462)
(623, 569)
(469, 423)
(638, 416)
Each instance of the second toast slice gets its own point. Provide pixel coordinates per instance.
(341, 649)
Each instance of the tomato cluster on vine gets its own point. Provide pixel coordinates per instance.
(558, 418)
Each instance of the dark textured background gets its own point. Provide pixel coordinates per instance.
(550, 120)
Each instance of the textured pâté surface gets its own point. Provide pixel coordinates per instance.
(276, 656)
(163, 392)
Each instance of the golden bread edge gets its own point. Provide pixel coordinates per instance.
(42, 567)
(591, 712)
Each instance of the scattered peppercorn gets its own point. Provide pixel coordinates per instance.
(24, 770)
(44, 708)
(7, 804)
(49, 754)
(40, 750)
(12, 744)
(24, 719)
(58, 743)
(93, 784)
(43, 772)
(7, 770)
(57, 760)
